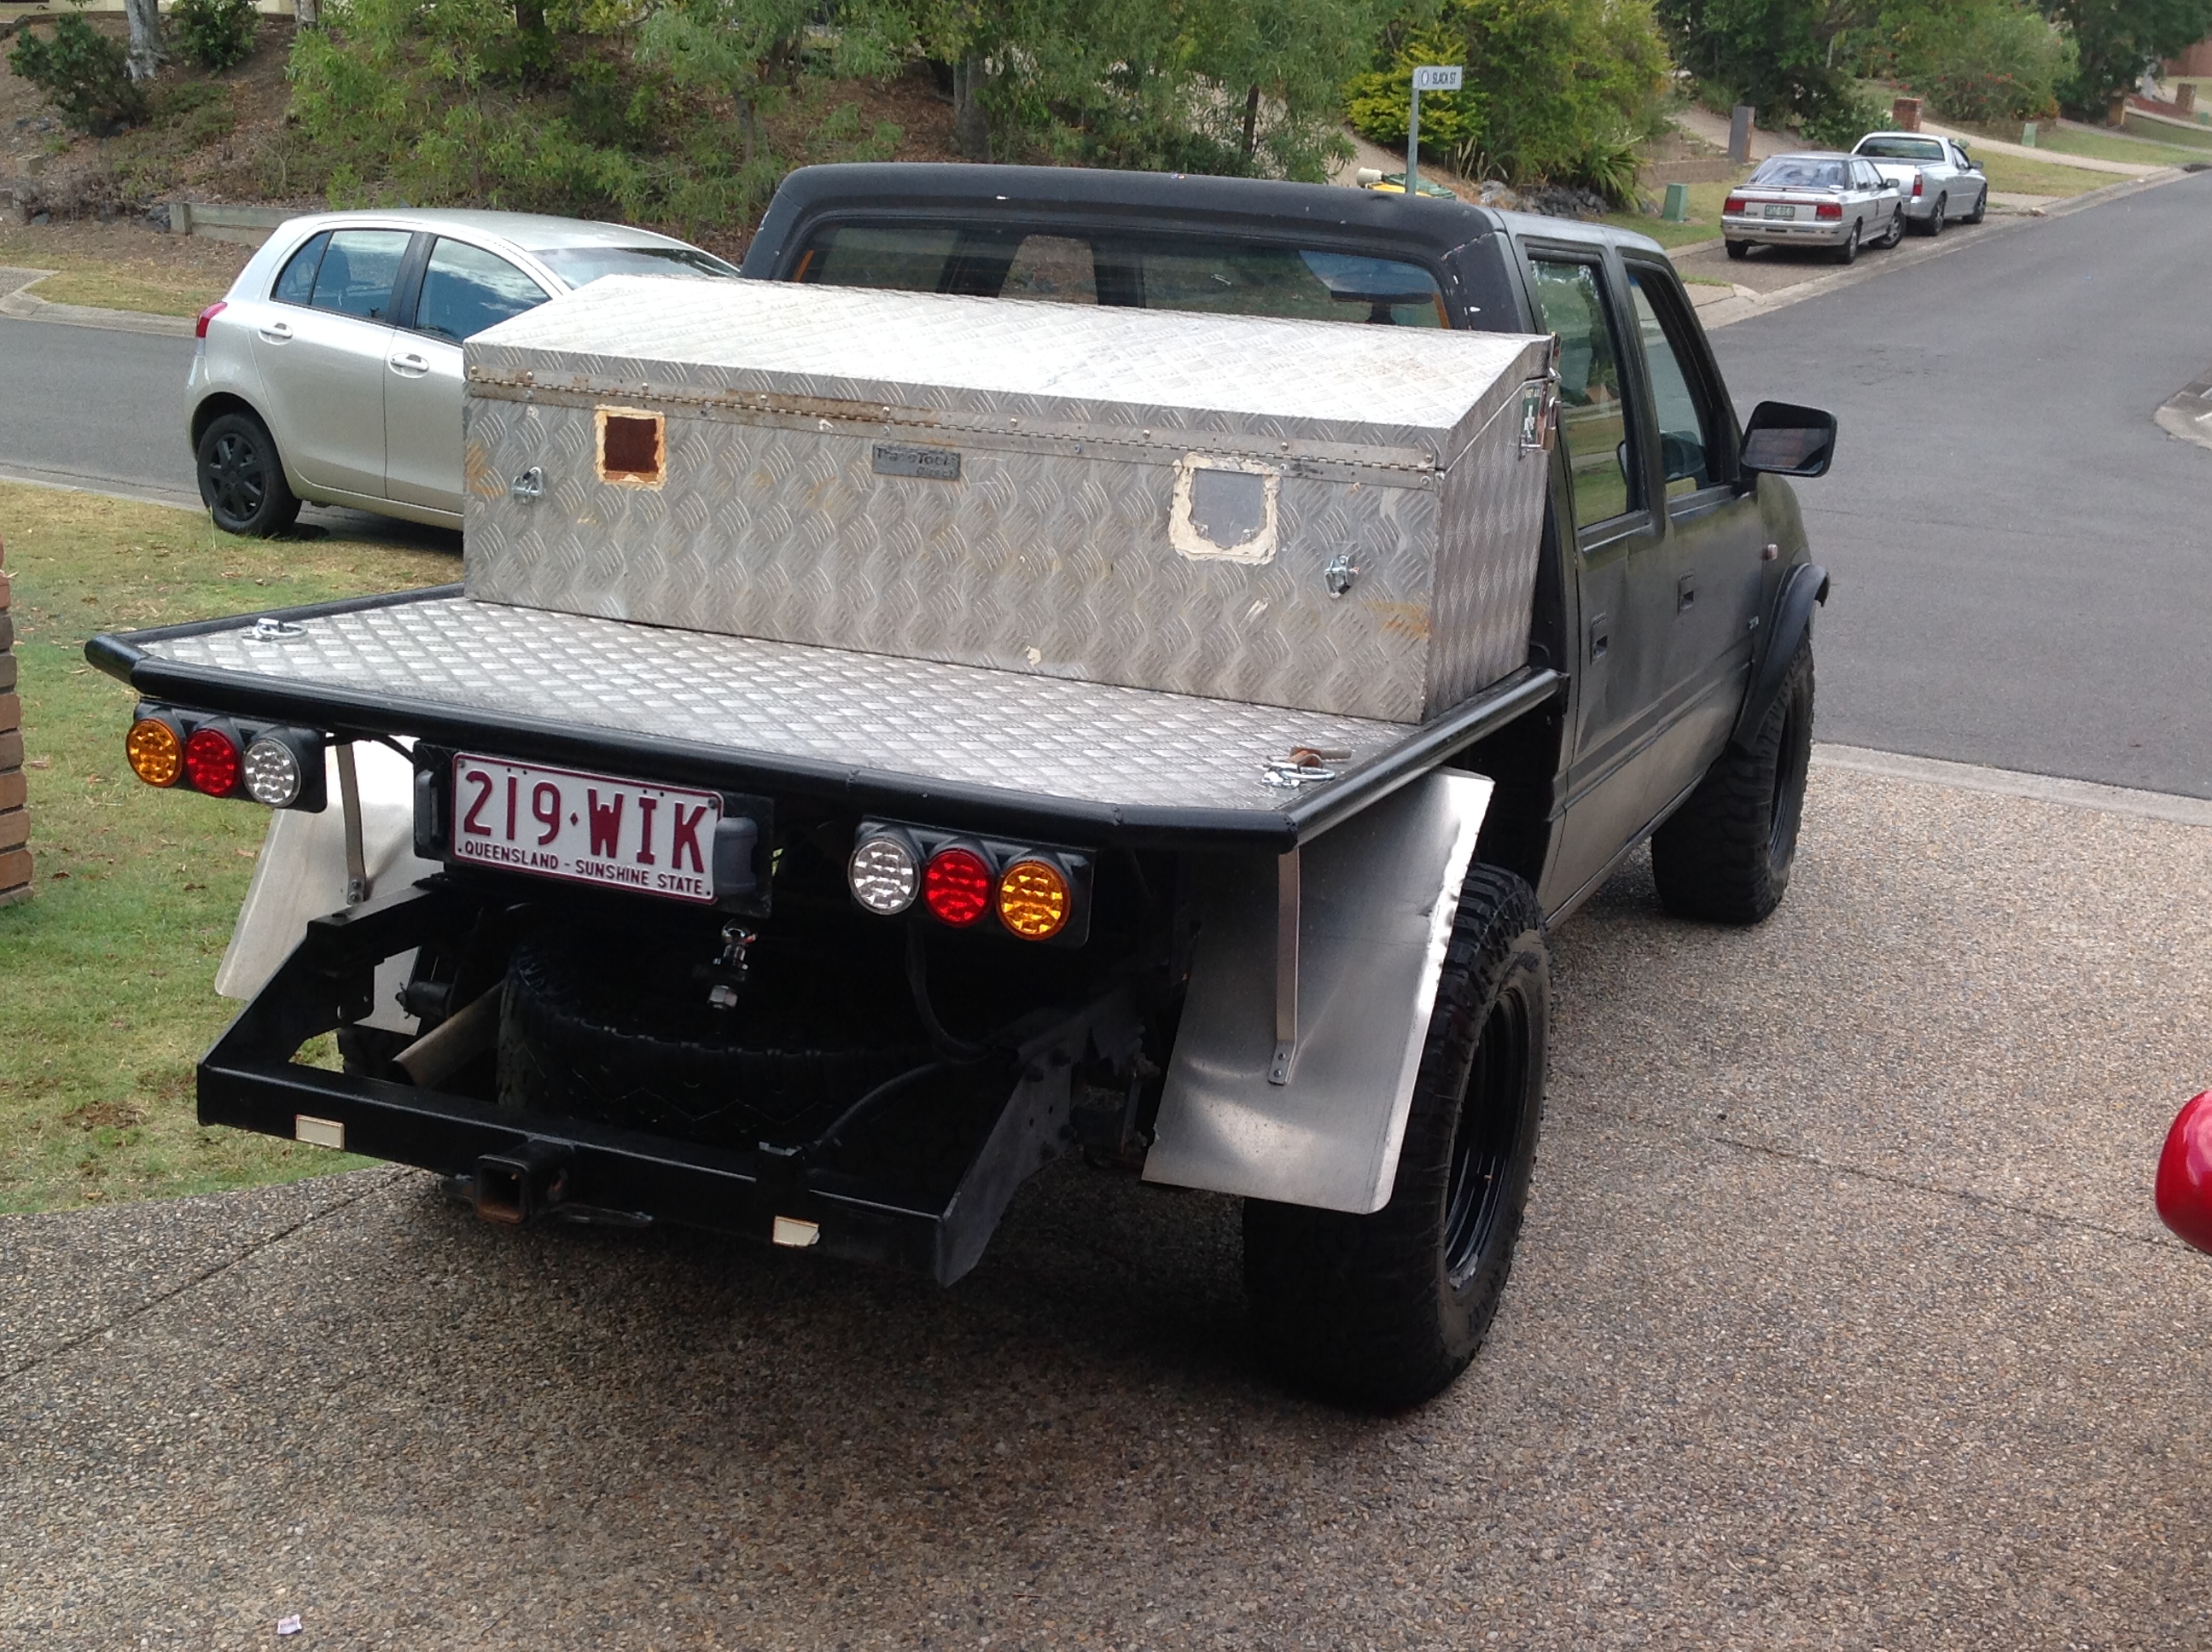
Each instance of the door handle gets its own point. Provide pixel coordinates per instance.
(278, 331)
(410, 366)
(1685, 594)
(1601, 636)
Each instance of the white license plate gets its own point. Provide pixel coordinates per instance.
(1774, 210)
(588, 829)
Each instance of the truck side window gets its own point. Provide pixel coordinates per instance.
(1593, 415)
(1690, 444)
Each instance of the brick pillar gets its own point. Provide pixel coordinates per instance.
(15, 818)
(1904, 115)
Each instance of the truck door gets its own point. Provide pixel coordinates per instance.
(1714, 531)
(1626, 596)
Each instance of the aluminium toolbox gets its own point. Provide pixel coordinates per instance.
(1332, 519)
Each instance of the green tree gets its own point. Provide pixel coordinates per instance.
(2115, 40)
(1556, 90)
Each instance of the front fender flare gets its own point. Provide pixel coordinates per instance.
(1803, 587)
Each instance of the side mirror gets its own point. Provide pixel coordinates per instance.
(1782, 439)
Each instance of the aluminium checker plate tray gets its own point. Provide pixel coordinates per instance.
(1126, 764)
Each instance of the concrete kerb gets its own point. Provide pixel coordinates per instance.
(2188, 412)
(2009, 782)
(1722, 315)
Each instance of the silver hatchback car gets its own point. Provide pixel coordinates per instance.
(331, 370)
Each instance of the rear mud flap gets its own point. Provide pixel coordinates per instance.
(1316, 1118)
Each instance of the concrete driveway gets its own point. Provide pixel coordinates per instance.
(1842, 1319)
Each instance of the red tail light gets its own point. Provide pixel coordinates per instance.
(955, 886)
(1918, 180)
(1734, 203)
(211, 762)
(208, 315)
(1829, 211)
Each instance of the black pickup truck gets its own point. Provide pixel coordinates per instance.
(1037, 669)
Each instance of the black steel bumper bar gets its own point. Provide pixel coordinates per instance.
(346, 712)
(526, 1164)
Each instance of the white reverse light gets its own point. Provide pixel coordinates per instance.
(272, 773)
(884, 875)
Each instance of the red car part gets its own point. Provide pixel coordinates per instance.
(2185, 1174)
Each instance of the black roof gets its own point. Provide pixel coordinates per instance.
(1263, 204)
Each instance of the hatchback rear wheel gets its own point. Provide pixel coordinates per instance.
(242, 479)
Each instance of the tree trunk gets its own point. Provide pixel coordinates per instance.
(1251, 121)
(145, 54)
(971, 132)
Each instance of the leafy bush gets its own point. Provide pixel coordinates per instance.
(1557, 90)
(83, 74)
(2005, 62)
(1843, 118)
(215, 33)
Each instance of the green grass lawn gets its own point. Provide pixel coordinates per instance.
(107, 973)
(1705, 221)
(2101, 146)
(2012, 174)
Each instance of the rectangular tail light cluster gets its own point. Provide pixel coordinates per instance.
(1034, 891)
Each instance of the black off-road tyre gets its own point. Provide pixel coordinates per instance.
(1738, 250)
(1725, 855)
(1383, 1311)
(242, 478)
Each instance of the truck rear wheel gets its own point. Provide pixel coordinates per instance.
(1383, 1311)
(1725, 855)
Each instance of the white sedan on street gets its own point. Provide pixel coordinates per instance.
(331, 370)
(1835, 202)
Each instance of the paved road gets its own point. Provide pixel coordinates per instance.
(2023, 560)
(98, 408)
(1841, 1321)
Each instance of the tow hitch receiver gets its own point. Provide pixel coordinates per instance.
(521, 1185)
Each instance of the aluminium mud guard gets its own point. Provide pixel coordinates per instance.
(1377, 897)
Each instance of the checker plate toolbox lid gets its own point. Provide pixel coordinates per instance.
(1147, 499)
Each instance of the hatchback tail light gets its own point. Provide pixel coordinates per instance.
(1830, 211)
(208, 315)
(1734, 203)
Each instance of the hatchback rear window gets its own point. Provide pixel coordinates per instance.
(1217, 275)
(1785, 172)
(297, 284)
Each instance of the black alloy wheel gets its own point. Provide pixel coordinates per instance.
(242, 479)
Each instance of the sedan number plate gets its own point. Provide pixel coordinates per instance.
(588, 829)
(1776, 209)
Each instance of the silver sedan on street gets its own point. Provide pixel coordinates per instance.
(1834, 202)
(1940, 182)
(331, 370)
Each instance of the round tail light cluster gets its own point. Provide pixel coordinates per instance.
(280, 768)
(1029, 891)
